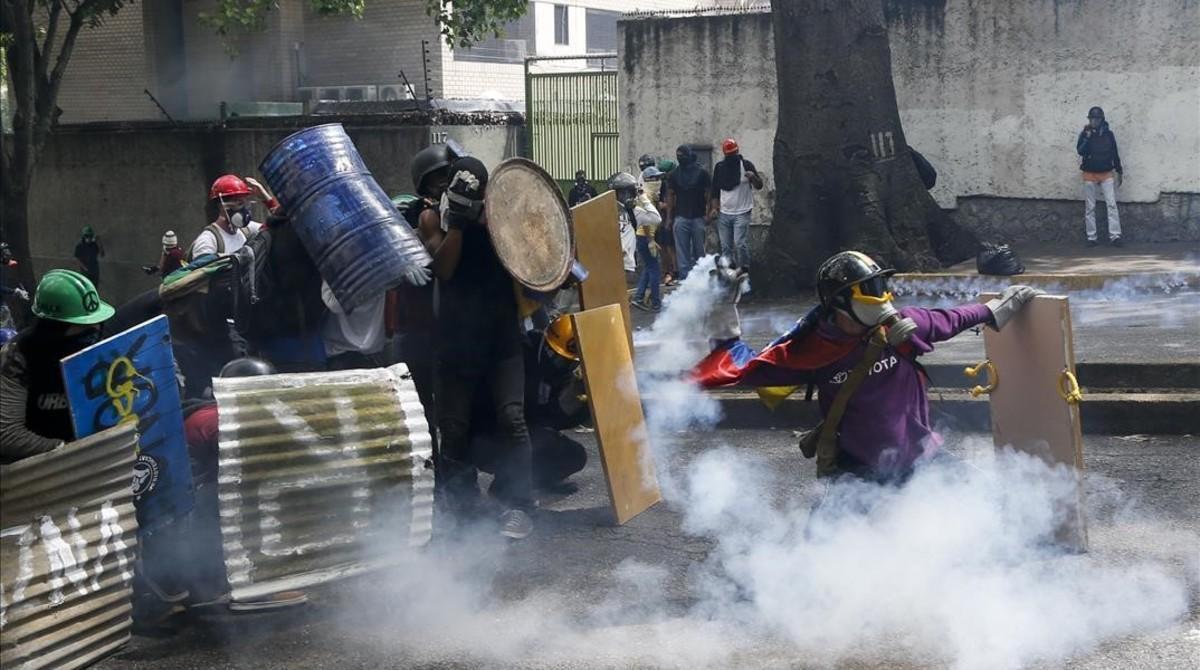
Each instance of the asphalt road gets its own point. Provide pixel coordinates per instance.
(581, 592)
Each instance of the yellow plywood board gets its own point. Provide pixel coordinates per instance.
(598, 248)
(616, 411)
(1028, 411)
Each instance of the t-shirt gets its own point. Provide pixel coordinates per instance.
(206, 244)
(690, 202)
(88, 254)
(740, 200)
(360, 331)
(172, 260)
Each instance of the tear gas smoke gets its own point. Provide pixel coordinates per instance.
(954, 569)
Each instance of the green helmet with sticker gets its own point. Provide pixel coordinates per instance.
(70, 297)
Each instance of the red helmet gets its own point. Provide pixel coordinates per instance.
(730, 146)
(229, 186)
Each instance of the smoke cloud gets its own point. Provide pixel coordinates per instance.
(956, 569)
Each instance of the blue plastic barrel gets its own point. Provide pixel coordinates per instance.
(359, 241)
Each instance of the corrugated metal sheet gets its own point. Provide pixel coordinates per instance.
(570, 113)
(67, 550)
(322, 476)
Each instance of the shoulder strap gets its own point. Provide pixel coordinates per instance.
(827, 442)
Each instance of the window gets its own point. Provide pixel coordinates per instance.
(562, 29)
(513, 45)
(600, 35)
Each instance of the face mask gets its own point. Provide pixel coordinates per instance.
(899, 329)
(238, 218)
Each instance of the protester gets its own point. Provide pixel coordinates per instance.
(734, 181)
(233, 196)
(860, 352)
(34, 414)
(14, 299)
(1097, 146)
(552, 391)
(171, 259)
(687, 187)
(478, 350)
(582, 191)
(88, 252)
(624, 184)
(201, 549)
(638, 215)
(666, 234)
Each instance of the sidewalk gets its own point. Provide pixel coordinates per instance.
(1077, 267)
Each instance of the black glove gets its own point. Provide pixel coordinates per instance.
(468, 183)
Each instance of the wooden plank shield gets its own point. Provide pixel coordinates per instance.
(616, 411)
(529, 224)
(1032, 405)
(130, 378)
(598, 244)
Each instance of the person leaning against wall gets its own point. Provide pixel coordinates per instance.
(1097, 147)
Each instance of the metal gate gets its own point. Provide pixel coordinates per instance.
(571, 119)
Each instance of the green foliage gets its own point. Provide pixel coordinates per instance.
(462, 22)
(465, 22)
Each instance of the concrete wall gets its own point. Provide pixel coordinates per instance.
(993, 94)
(135, 182)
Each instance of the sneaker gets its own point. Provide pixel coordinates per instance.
(640, 305)
(515, 524)
(273, 601)
(1092, 243)
(655, 308)
(1116, 242)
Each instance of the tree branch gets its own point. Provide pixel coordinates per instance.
(56, 7)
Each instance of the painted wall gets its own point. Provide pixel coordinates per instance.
(135, 182)
(993, 94)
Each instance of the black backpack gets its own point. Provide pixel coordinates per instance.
(998, 260)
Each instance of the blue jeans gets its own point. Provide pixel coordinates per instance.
(734, 230)
(651, 274)
(689, 243)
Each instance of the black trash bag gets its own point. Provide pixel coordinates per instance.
(998, 259)
(924, 169)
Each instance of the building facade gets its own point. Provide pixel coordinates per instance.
(158, 59)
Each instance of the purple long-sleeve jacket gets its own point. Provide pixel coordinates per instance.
(886, 426)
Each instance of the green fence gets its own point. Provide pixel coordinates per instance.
(571, 118)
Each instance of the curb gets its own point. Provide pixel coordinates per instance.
(1095, 377)
(1105, 413)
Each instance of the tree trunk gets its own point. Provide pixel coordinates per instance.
(845, 178)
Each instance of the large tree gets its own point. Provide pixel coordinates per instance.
(844, 175)
(39, 38)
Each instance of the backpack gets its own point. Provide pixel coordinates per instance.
(216, 233)
(998, 260)
(193, 303)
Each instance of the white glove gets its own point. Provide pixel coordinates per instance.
(418, 275)
(21, 293)
(1011, 301)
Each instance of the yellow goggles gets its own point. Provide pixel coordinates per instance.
(856, 294)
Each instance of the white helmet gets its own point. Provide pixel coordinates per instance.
(169, 240)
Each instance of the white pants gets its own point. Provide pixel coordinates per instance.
(1089, 208)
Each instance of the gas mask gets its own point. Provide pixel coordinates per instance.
(238, 218)
(871, 305)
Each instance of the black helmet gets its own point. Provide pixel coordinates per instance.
(625, 184)
(646, 161)
(1096, 113)
(845, 270)
(247, 367)
(428, 160)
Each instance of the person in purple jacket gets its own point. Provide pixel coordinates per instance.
(885, 430)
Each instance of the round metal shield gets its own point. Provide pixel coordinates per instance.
(529, 224)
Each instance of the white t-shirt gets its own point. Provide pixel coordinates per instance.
(206, 244)
(741, 199)
(361, 331)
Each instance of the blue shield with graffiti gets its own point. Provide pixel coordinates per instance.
(131, 377)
